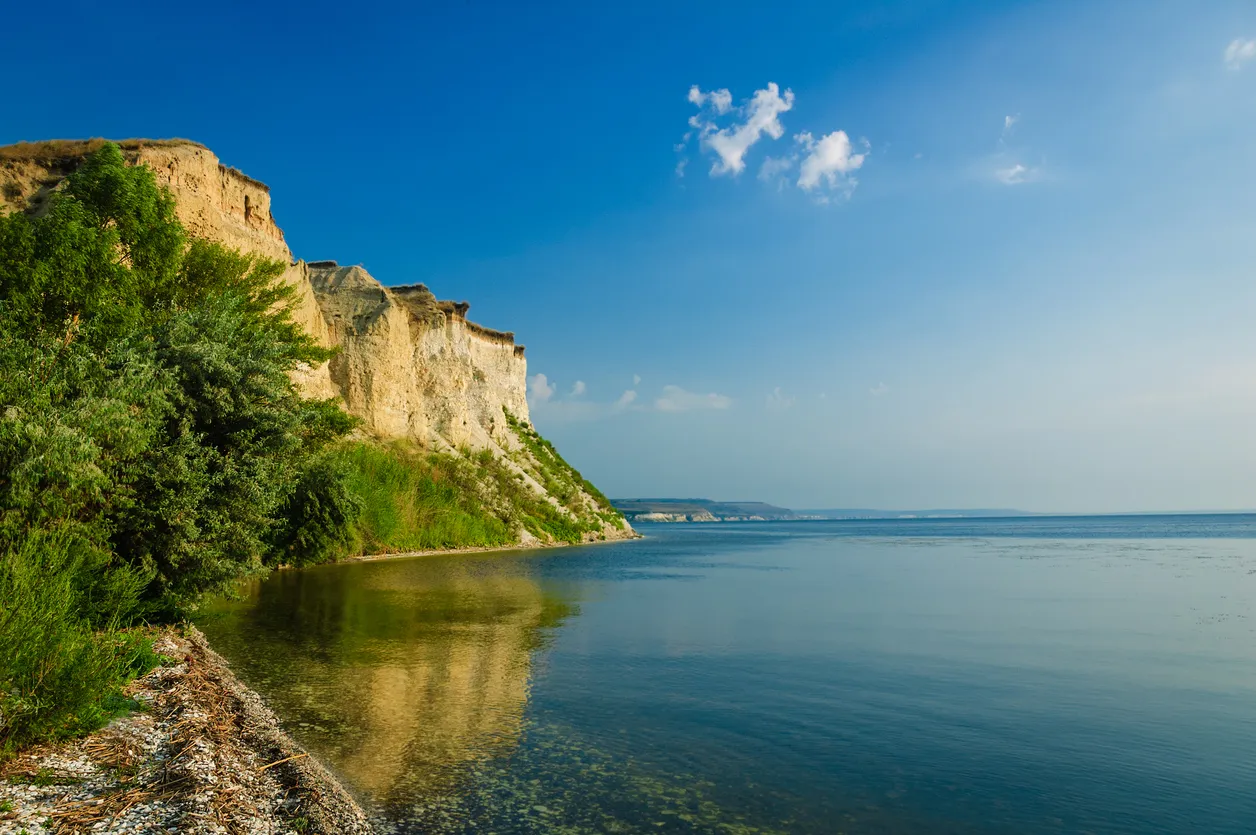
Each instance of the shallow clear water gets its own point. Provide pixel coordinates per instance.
(911, 676)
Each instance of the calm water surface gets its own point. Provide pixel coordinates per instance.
(915, 676)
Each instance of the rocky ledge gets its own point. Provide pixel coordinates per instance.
(202, 755)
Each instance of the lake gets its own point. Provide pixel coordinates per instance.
(1036, 675)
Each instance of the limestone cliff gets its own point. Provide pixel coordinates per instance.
(408, 365)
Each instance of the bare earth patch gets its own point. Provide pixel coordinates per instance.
(204, 755)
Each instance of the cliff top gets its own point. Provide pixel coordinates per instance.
(65, 153)
(328, 275)
(50, 150)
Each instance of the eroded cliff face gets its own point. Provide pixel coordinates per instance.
(408, 365)
(413, 366)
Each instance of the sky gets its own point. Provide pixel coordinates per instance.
(900, 255)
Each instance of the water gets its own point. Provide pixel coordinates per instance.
(915, 676)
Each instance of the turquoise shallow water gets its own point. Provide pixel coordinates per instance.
(1041, 675)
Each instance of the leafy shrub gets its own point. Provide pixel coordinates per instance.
(320, 515)
(152, 445)
(58, 675)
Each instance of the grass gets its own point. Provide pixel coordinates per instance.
(414, 500)
(559, 478)
(533, 512)
(417, 500)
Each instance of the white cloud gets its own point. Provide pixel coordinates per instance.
(824, 164)
(829, 161)
(540, 389)
(879, 390)
(1239, 52)
(778, 401)
(721, 100)
(1009, 122)
(680, 167)
(676, 399)
(1017, 174)
(760, 116)
(574, 407)
(1012, 175)
(773, 167)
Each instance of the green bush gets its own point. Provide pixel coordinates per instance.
(59, 674)
(153, 447)
(320, 515)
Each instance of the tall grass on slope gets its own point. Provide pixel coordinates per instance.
(414, 500)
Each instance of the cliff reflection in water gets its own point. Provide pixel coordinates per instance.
(399, 674)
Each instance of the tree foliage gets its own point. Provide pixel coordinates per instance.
(152, 445)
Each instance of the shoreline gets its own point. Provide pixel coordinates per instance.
(202, 753)
(485, 549)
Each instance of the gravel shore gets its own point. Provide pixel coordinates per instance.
(203, 755)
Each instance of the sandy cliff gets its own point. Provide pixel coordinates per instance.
(409, 365)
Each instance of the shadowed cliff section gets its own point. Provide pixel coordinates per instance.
(421, 377)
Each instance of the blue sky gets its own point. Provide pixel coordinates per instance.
(1000, 254)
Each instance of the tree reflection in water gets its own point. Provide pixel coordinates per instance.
(401, 675)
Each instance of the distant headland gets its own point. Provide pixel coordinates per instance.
(707, 510)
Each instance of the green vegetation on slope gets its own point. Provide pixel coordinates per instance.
(417, 500)
(560, 479)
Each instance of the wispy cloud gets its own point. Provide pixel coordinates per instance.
(1239, 52)
(1016, 174)
(1005, 166)
(774, 167)
(1009, 122)
(574, 406)
(879, 390)
(677, 399)
(543, 400)
(778, 401)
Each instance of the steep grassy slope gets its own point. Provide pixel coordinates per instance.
(414, 499)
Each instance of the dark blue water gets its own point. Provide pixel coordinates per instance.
(1041, 675)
